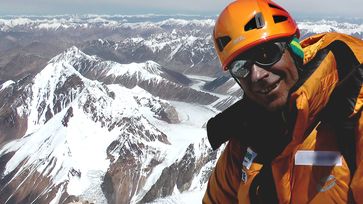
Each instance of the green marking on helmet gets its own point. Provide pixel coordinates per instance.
(296, 48)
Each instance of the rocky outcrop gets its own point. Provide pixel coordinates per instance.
(186, 169)
(12, 125)
(27, 186)
(128, 173)
(182, 173)
(121, 180)
(168, 113)
(163, 111)
(164, 186)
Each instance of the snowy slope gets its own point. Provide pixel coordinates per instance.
(58, 144)
(99, 68)
(149, 75)
(79, 130)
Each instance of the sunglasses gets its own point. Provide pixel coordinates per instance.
(264, 56)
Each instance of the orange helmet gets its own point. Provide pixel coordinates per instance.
(247, 23)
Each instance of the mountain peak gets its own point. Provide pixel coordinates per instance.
(153, 67)
(70, 54)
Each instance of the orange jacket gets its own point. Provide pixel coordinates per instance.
(310, 168)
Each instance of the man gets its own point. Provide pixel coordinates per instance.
(297, 134)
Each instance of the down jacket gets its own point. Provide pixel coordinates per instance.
(310, 153)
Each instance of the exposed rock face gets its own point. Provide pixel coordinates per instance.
(129, 171)
(187, 168)
(12, 125)
(22, 65)
(168, 114)
(164, 185)
(122, 178)
(182, 173)
(164, 112)
(26, 186)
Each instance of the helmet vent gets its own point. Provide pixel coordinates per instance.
(276, 7)
(278, 19)
(256, 22)
(222, 42)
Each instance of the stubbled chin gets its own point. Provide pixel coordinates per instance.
(272, 101)
(277, 103)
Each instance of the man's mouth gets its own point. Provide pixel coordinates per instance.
(268, 89)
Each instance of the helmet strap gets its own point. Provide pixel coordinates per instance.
(297, 53)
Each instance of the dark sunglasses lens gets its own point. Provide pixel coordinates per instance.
(268, 54)
(238, 68)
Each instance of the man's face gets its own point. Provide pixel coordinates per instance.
(270, 86)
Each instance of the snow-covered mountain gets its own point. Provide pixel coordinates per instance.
(64, 22)
(179, 43)
(119, 114)
(308, 28)
(154, 22)
(182, 50)
(86, 140)
(149, 75)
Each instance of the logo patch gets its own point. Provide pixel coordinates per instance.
(249, 157)
(238, 39)
(326, 183)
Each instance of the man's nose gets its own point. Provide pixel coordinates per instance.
(258, 73)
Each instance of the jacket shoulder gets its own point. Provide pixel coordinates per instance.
(313, 44)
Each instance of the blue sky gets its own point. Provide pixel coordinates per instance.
(314, 8)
